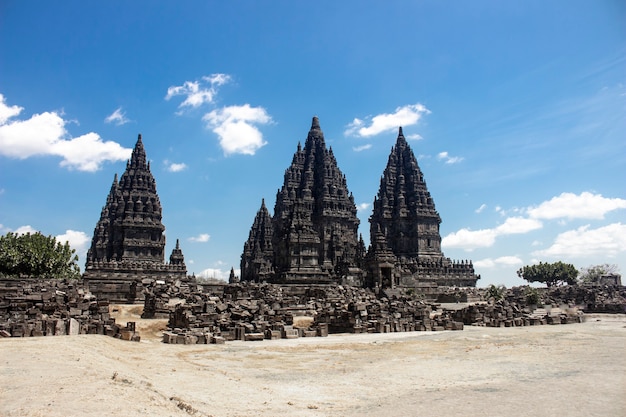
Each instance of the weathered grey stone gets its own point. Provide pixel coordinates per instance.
(128, 242)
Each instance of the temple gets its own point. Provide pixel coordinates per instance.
(128, 243)
(405, 248)
(312, 237)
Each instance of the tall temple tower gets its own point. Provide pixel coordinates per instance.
(256, 260)
(128, 242)
(314, 227)
(405, 240)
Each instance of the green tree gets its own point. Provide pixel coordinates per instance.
(550, 274)
(36, 255)
(594, 272)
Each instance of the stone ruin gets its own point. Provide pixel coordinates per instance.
(128, 243)
(405, 242)
(261, 311)
(34, 307)
(313, 235)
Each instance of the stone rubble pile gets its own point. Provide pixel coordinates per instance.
(591, 298)
(503, 313)
(249, 312)
(56, 308)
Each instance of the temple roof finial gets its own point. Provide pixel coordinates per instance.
(316, 123)
(400, 132)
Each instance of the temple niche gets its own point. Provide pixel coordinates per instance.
(312, 236)
(405, 248)
(128, 243)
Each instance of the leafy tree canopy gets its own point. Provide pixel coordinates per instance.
(594, 272)
(36, 255)
(550, 274)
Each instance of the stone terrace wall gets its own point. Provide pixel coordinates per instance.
(34, 307)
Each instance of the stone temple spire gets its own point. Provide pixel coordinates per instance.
(404, 209)
(129, 234)
(314, 223)
(405, 224)
(256, 260)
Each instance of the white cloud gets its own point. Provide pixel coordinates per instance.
(7, 112)
(197, 93)
(362, 147)
(484, 238)
(403, 116)
(608, 240)
(363, 206)
(118, 117)
(444, 156)
(78, 241)
(175, 167)
(88, 152)
(235, 126)
(470, 239)
(414, 136)
(217, 273)
(45, 134)
(201, 238)
(518, 225)
(572, 206)
(22, 230)
(566, 206)
(506, 261)
(481, 208)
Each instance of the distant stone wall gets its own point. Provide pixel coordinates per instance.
(33, 307)
(122, 282)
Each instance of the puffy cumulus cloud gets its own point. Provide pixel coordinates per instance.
(583, 242)
(88, 152)
(22, 230)
(78, 241)
(470, 239)
(444, 156)
(198, 92)
(362, 147)
(175, 167)
(218, 273)
(571, 206)
(201, 238)
(7, 112)
(503, 261)
(45, 134)
(403, 116)
(484, 238)
(236, 128)
(118, 117)
(518, 225)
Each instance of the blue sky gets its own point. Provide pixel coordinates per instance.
(515, 110)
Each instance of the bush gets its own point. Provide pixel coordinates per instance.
(35, 255)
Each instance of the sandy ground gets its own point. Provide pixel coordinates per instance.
(572, 370)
